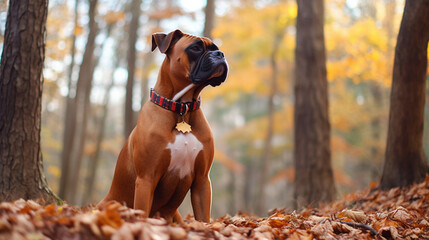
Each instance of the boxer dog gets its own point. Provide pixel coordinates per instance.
(170, 151)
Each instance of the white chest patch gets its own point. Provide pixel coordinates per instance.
(184, 150)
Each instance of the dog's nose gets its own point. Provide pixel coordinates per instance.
(218, 54)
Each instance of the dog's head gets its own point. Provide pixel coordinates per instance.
(195, 58)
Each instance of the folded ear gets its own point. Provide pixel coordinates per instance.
(164, 41)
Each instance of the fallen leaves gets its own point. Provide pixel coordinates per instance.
(400, 213)
(356, 216)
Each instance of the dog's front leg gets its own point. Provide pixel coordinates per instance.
(201, 198)
(143, 196)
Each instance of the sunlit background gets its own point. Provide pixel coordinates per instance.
(360, 36)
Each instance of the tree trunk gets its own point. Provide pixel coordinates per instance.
(314, 181)
(69, 124)
(130, 120)
(376, 91)
(231, 192)
(148, 61)
(95, 159)
(83, 90)
(405, 161)
(83, 136)
(21, 165)
(249, 184)
(210, 18)
(247, 159)
(93, 163)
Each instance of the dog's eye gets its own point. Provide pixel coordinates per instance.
(196, 49)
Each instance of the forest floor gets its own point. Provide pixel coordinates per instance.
(400, 213)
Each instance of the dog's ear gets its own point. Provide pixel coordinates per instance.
(164, 41)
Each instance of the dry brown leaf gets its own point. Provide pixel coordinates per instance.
(217, 226)
(196, 226)
(4, 224)
(317, 219)
(263, 228)
(389, 233)
(123, 233)
(228, 230)
(24, 223)
(33, 205)
(137, 227)
(423, 223)
(108, 230)
(154, 232)
(384, 223)
(395, 214)
(262, 235)
(342, 228)
(401, 214)
(113, 206)
(65, 221)
(89, 220)
(301, 235)
(323, 230)
(238, 220)
(357, 216)
(412, 232)
(109, 217)
(51, 211)
(278, 220)
(177, 233)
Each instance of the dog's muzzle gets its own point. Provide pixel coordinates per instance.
(211, 68)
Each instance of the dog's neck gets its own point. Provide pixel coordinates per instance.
(169, 86)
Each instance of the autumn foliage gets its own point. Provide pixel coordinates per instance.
(395, 214)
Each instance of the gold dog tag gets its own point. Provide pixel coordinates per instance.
(183, 127)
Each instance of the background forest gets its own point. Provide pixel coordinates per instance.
(251, 135)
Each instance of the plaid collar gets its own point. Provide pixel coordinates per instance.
(178, 107)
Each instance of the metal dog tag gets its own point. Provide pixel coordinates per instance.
(183, 127)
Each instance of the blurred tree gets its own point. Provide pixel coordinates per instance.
(148, 63)
(248, 35)
(98, 138)
(94, 160)
(130, 116)
(111, 18)
(210, 18)
(358, 91)
(73, 47)
(377, 91)
(148, 59)
(266, 158)
(80, 111)
(405, 161)
(21, 81)
(84, 133)
(314, 180)
(69, 131)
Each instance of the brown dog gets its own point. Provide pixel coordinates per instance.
(171, 149)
